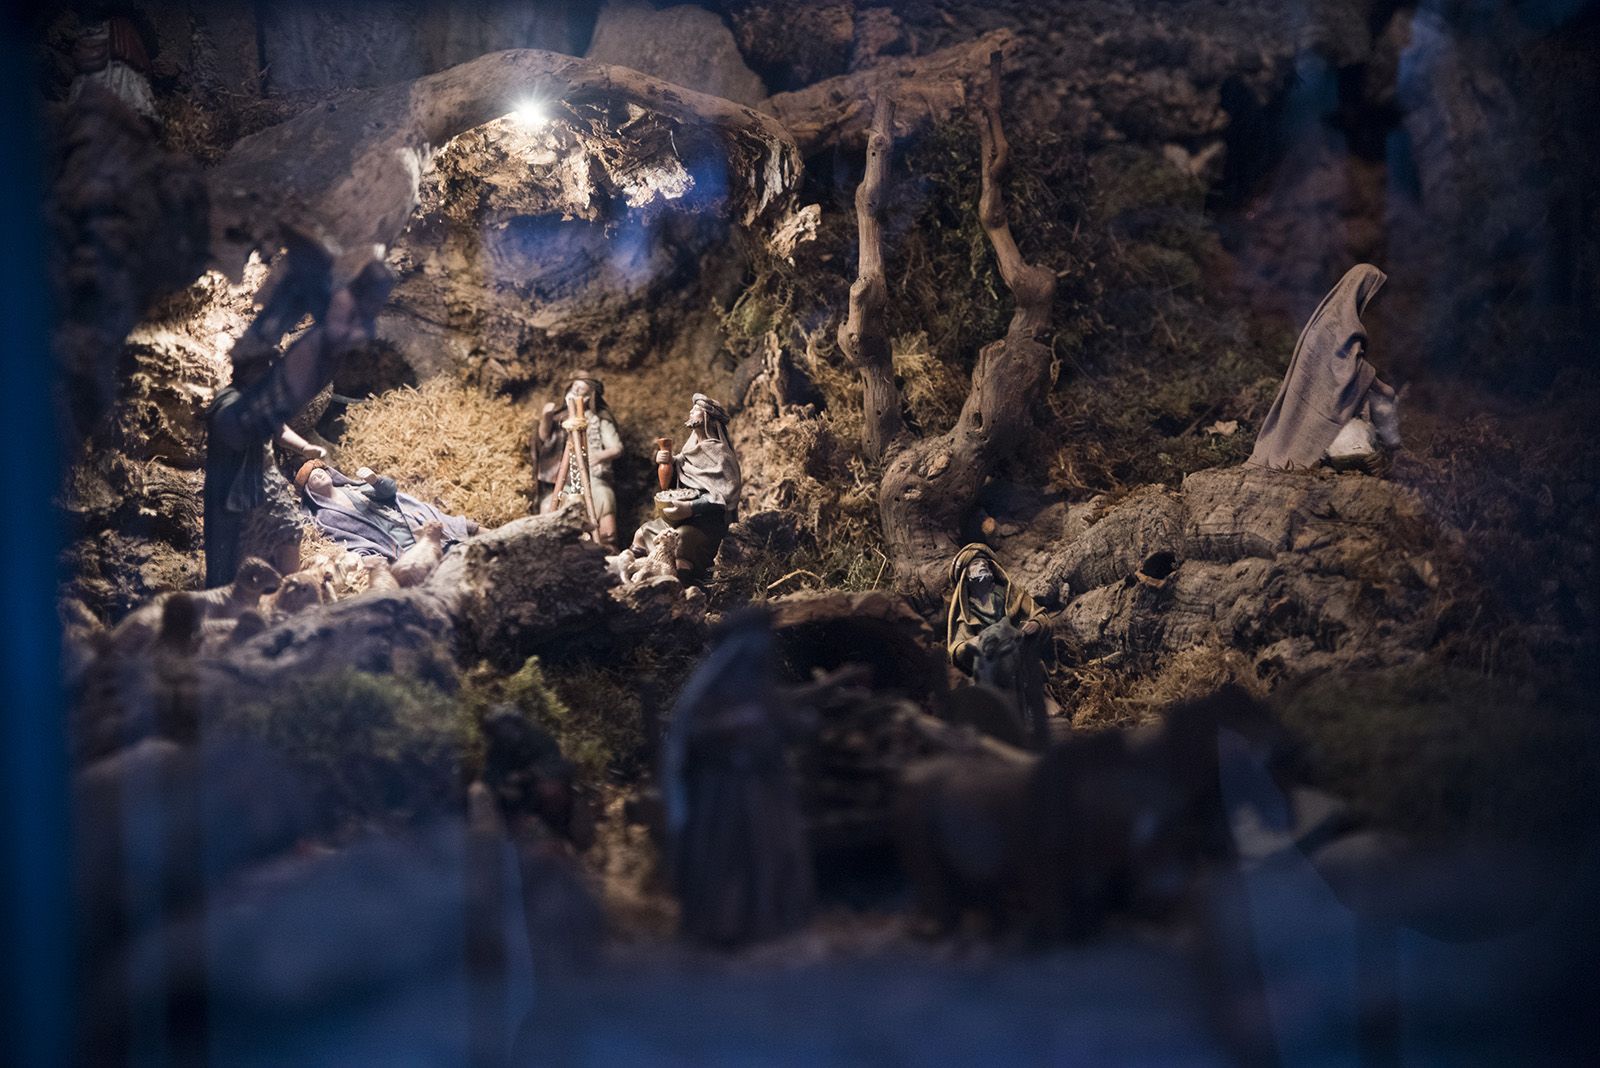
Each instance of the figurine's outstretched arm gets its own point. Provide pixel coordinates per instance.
(299, 445)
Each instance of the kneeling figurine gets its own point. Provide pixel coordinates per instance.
(1332, 407)
(698, 499)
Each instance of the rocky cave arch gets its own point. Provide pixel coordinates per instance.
(350, 170)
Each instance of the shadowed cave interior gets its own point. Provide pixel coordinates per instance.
(1257, 764)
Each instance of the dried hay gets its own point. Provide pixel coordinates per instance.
(1101, 694)
(800, 463)
(448, 443)
(933, 391)
(840, 386)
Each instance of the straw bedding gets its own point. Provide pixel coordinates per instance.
(445, 441)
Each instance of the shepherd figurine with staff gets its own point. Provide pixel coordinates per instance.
(573, 459)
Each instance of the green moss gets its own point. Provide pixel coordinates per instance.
(373, 747)
(603, 729)
(596, 714)
(1166, 353)
(1129, 180)
(1442, 752)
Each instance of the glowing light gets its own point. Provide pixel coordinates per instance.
(531, 113)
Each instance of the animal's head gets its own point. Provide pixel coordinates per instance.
(249, 624)
(328, 575)
(667, 543)
(256, 577)
(180, 619)
(299, 591)
(998, 639)
(433, 531)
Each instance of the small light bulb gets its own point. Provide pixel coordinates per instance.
(531, 113)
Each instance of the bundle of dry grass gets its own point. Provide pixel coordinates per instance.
(1104, 694)
(446, 442)
(797, 463)
(934, 391)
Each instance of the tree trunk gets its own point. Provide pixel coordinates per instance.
(929, 485)
(863, 337)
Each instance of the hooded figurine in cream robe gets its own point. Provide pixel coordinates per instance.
(1329, 385)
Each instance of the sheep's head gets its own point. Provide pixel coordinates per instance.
(256, 577)
(666, 546)
(250, 623)
(299, 591)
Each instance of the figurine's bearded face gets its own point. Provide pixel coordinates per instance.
(980, 578)
(581, 391)
(697, 418)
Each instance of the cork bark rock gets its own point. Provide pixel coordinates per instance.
(1302, 571)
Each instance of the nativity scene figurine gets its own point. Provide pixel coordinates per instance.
(699, 495)
(369, 516)
(268, 390)
(573, 457)
(1332, 407)
(997, 635)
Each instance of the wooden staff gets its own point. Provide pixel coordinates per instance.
(577, 427)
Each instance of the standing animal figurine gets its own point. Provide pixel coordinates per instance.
(254, 580)
(418, 562)
(1110, 822)
(299, 591)
(660, 564)
(379, 576)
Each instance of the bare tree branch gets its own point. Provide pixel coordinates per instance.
(925, 90)
(1033, 287)
(863, 337)
(929, 486)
